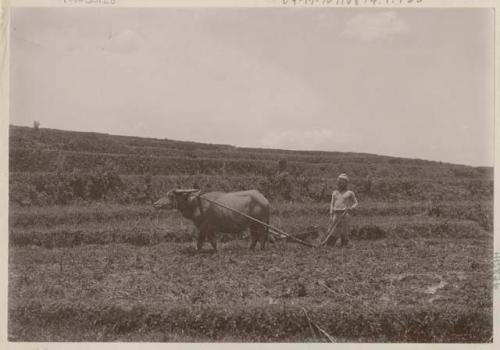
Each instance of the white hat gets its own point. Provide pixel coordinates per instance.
(343, 177)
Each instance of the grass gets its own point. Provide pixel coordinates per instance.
(68, 226)
(46, 167)
(114, 270)
(51, 216)
(380, 291)
(102, 212)
(84, 142)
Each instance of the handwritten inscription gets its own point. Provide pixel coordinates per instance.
(349, 2)
(91, 2)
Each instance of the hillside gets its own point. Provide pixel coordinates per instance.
(53, 166)
(90, 260)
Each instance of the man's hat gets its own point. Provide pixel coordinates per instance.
(343, 177)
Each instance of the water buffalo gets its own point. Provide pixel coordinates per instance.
(210, 218)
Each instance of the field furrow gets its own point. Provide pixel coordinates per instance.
(385, 288)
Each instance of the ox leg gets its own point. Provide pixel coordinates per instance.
(211, 239)
(264, 233)
(263, 237)
(253, 243)
(254, 235)
(199, 241)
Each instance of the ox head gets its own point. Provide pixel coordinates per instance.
(174, 199)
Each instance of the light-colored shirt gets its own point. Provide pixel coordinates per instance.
(343, 200)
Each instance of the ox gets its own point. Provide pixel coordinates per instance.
(209, 218)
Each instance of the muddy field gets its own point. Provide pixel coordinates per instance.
(105, 273)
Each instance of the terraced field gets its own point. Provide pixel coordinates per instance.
(110, 268)
(110, 272)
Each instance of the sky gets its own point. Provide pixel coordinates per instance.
(414, 83)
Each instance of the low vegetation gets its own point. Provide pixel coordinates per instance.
(385, 290)
(90, 260)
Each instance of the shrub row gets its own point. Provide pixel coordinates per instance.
(363, 164)
(41, 189)
(263, 324)
(29, 160)
(230, 163)
(61, 188)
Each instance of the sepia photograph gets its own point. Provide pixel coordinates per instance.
(272, 174)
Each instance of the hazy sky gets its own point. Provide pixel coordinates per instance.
(413, 83)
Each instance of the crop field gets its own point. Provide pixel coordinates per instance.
(90, 260)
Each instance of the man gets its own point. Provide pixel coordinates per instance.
(343, 202)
